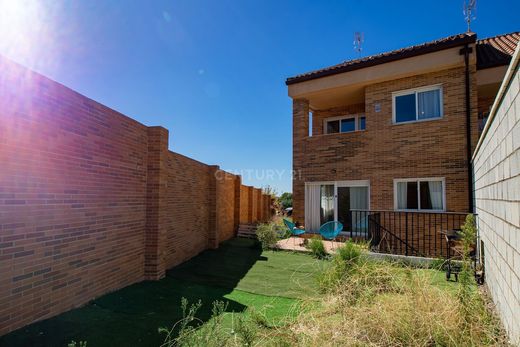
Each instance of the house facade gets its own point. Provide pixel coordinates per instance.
(393, 131)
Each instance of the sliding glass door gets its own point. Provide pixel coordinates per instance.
(334, 201)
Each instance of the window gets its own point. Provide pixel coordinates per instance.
(344, 124)
(361, 123)
(417, 104)
(419, 194)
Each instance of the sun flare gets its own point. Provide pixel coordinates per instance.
(23, 30)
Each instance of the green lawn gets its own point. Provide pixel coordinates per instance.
(237, 272)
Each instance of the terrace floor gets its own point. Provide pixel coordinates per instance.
(296, 244)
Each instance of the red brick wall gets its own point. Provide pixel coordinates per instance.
(254, 208)
(225, 205)
(244, 204)
(72, 198)
(189, 208)
(92, 201)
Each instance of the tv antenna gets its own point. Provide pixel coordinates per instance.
(469, 8)
(359, 38)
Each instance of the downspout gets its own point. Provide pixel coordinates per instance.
(466, 51)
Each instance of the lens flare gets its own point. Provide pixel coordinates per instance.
(24, 31)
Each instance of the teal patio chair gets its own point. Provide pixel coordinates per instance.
(293, 229)
(331, 230)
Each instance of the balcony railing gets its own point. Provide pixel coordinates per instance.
(405, 233)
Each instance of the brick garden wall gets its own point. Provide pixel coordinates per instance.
(189, 206)
(226, 205)
(92, 201)
(244, 205)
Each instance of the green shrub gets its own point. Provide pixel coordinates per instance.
(330, 278)
(267, 234)
(342, 263)
(246, 330)
(191, 332)
(317, 248)
(349, 252)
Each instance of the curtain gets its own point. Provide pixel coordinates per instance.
(327, 203)
(436, 194)
(312, 207)
(359, 201)
(402, 194)
(429, 104)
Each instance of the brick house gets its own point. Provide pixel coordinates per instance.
(393, 131)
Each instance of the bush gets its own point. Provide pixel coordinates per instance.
(342, 263)
(267, 234)
(285, 200)
(191, 332)
(349, 252)
(317, 248)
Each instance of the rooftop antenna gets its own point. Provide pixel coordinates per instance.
(359, 38)
(469, 8)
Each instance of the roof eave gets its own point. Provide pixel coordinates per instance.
(459, 41)
(492, 65)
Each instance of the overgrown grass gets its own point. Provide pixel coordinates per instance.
(384, 304)
(379, 303)
(317, 248)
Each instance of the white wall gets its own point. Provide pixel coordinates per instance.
(496, 165)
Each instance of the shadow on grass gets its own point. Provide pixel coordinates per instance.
(132, 315)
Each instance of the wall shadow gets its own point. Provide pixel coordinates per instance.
(131, 316)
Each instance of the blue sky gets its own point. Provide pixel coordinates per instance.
(213, 72)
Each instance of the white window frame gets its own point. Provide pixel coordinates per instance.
(340, 118)
(416, 91)
(418, 180)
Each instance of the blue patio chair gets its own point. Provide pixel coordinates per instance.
(293, 229)
(331, 230)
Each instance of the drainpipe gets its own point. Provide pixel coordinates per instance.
(466, 51)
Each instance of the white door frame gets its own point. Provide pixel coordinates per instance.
(336, 184)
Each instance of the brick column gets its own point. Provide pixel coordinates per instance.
(300, 132)
(238, 184)
(259, 204)
(156, 203)
(250, 204)
(263, 207)
(213, 207)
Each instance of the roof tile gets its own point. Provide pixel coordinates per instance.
(496, 50)
(493, 51)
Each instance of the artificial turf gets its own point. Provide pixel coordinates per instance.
(237, 273)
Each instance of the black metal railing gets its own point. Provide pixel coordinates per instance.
(405, 232)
